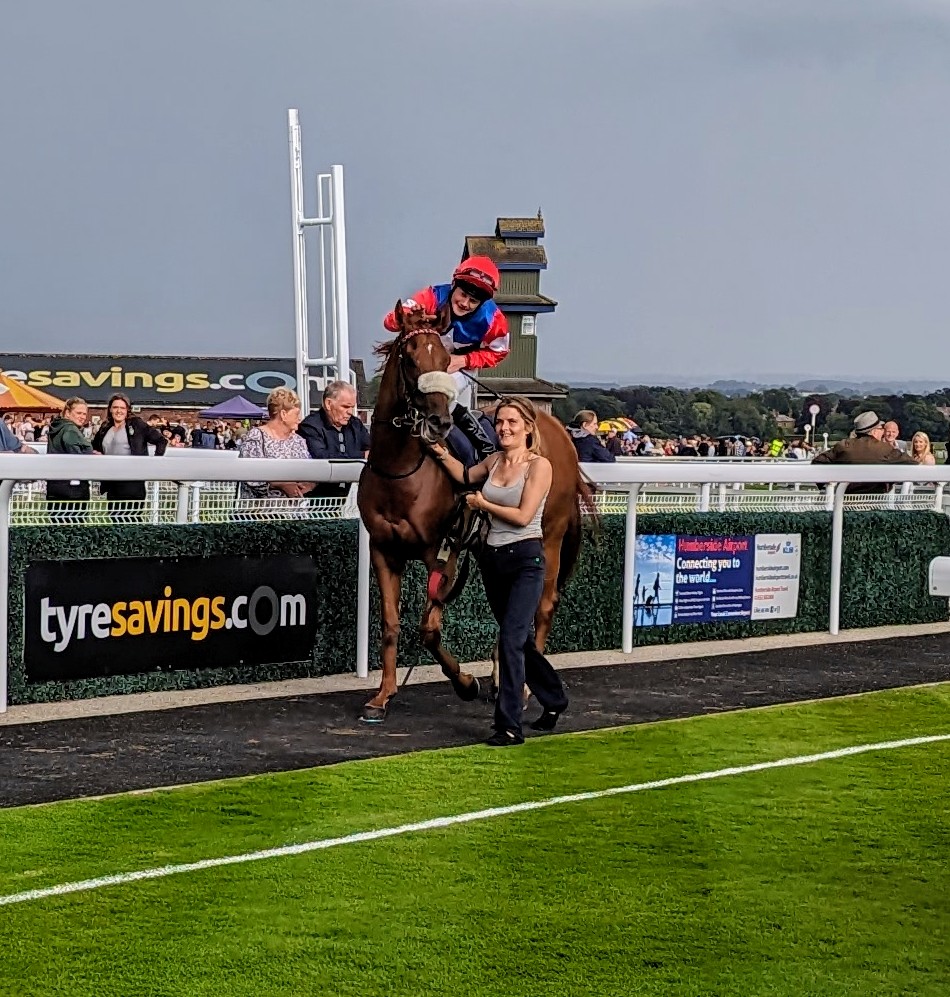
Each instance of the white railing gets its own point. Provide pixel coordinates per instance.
(206, 502)
(691, 499)
(220, 502)
(628, 477)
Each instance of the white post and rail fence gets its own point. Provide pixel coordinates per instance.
(627, 477)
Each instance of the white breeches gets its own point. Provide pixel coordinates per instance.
(465, 389)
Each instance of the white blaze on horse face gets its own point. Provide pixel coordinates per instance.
(429, 348)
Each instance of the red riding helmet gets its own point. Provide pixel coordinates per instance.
(479, 272)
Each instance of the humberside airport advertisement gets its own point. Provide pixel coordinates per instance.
(687, 579)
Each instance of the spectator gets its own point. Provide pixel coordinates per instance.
(276, 437)
(334, 431)
(920, 449)
(867, 446)
(688, 448)
(645, 446)
(10, 442)
(26, 429)
(891, 433)
(583, 432)
(66, 436)
(613, 443)
(796, 451)
(125, 435)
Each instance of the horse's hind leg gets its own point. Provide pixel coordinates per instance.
(389, 579)
(550, 597)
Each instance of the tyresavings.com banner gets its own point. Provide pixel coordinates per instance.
(121, 616)
(153, 381)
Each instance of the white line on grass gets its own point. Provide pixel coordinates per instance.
(467, 818)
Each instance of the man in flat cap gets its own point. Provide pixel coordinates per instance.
(865, 446)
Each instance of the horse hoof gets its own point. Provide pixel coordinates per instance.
(468, 693)
(373, 714)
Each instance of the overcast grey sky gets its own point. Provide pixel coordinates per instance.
(731, 187)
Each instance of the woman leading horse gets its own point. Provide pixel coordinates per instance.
(406, 499)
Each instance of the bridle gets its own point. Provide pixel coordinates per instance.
(410, 418)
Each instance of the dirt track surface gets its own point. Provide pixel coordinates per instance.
(66, 759)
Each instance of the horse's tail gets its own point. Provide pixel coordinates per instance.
(571, 544)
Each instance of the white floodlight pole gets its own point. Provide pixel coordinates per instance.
(338, 230)
(334, 346)
(300, 259)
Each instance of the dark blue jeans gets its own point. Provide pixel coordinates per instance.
(514, 579)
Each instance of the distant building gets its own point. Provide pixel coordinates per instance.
(520, 259)
(785, 423)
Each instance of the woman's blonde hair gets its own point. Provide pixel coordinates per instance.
(525, 408)
(281, 400)
(922, 436)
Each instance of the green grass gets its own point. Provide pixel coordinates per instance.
(828, 878)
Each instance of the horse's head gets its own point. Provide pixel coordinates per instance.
(425, 391)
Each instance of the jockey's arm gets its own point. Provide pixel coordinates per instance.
(458, 472)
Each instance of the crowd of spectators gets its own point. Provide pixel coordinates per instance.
(596, 447)
(178, 431)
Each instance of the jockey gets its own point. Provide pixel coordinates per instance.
(477, 337)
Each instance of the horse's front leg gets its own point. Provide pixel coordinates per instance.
(389, 578)
(465, 685)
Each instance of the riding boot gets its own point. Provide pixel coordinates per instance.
(472, 428)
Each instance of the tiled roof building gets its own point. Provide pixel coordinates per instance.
(520, 259)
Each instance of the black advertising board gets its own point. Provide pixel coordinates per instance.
(90, 618)
(195, 382)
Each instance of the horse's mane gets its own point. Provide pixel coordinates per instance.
(386, 348)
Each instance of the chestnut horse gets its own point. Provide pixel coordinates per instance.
(406, 499)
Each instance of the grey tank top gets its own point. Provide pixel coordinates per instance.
(502, 533)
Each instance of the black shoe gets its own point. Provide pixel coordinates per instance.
(548, 719)
(473, 431)
(504, 739)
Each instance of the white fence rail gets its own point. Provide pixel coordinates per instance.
(627, 477)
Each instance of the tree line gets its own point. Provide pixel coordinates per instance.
(670, 412)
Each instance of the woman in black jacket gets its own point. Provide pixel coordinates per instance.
(67, 501)
(125, 435)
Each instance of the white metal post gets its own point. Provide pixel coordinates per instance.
(181, 506)
(326, 305)
(629, 557)
(153, 501)
(837, 546)
(704, 490)
(938, 498)
(341, 300)
(334, 358)
(830, 498)
(300, 258)
(6, 490)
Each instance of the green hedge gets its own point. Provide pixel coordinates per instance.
(884, 581)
